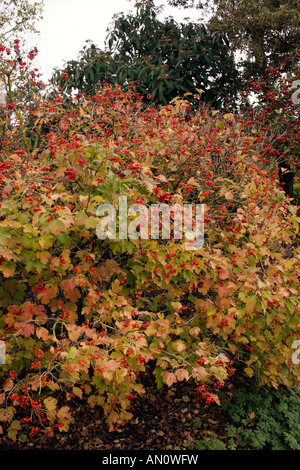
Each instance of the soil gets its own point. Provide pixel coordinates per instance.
(165, 419)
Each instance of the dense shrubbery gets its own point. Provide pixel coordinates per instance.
(83, 318)
(277, 113)
(262, 419)
(256, 418)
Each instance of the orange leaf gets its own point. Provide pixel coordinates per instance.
(28, 330)
(170, 378)
(8, 385)
(42, 333)
(182, 374)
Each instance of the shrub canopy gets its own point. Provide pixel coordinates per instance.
(83, 318)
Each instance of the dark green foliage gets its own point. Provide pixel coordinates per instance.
(210, 443)
(163, 59)
(87, 74)
(264, 419)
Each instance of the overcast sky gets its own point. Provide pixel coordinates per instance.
(67, 24)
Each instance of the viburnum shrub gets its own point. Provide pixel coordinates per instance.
(21, 87)
(84, 318)
(276, 113)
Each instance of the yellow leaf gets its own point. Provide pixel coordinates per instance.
(77, 391)
(8, 269)
(64, 416)
(249, 371)
(232, 348)
(44, 257)
(193, 182)
(251, 302)
(7, 414)
(259, 239)
(228, 116)
(64, 413)
(216, 398)
(177, 306)
(50, 404)
(56, 226)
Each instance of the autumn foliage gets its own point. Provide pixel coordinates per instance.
(83, 318)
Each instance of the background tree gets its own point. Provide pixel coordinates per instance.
(22, 88)
(266, 31)
(268, 35)
(88, 72)
(19, 81)
(18, 16)
(164, 59)
(277, 112)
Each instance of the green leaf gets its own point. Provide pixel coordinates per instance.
(73, 353)
(46, 241)
(56, 227)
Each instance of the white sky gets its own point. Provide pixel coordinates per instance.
(67, 24)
